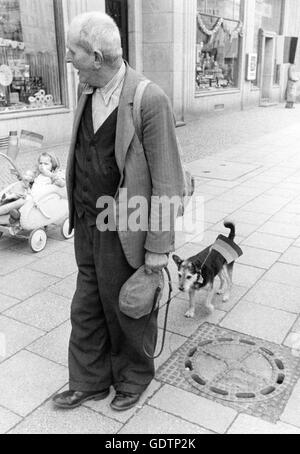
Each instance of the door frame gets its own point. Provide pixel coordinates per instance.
(122, 22)
(265, 53)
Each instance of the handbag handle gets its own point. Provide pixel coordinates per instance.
(158, 290)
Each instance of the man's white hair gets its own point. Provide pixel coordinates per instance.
(98, 32)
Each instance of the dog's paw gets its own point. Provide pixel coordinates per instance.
(189, 314)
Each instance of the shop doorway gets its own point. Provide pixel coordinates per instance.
(267, 64)
(118, 10)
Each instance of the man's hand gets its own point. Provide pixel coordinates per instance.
(155, 262)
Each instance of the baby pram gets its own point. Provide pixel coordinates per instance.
(36, 215)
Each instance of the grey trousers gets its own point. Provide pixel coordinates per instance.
(105, 346)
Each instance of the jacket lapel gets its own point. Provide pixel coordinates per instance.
(125, 127)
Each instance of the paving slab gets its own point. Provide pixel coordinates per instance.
(17, 336)
(249, 217)
(7, 420)
(265, 204)
(220, 170)
(291, 256)
(44, 310)
(258, 258)
(24, 283)
(47, 420)
(212, 190)
(268, 242)
(293, 207)
(246, 276)
(248, 425)
(11, 261)
(291, 414)
(27, 380)
(220, 204)
(242, 229)
(6, 302)
(179, 324)
(213, 216)
(285, 192)
(207, 414)
(210, 237)
(259, 321)
(153, 421)
(284, 274)
(276, 295)
(54, 345)
(285, 217)
(280, 229)
(65, 287)
(237, 293)
(296, 327)
(57, 264)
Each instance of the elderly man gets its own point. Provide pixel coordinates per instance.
(106, 346)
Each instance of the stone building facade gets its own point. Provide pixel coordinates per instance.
(208, 55)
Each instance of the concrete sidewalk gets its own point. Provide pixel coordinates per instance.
(253, 180)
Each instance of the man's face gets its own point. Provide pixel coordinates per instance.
(83, 61)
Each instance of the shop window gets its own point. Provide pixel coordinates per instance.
(218, 31)
(31, 55)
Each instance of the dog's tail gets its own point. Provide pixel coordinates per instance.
(231, 226)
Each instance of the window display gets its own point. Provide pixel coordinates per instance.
(29, 62)
(218, 32)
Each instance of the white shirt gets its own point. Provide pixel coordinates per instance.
(106, 99)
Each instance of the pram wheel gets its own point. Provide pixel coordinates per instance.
(1, 235)
(65, 230)
(38, 240)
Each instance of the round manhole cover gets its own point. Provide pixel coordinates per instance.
(235, 370)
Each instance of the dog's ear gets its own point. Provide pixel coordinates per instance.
(177, 260)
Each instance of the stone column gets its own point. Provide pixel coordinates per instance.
(158, 43)
(189, 53)
(135, 34)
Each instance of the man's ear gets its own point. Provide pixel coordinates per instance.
(98, 59)
(177, 260)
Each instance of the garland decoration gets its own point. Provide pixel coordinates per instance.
(215, 28)
(238, 30)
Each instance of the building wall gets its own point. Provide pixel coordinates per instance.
(162, 44)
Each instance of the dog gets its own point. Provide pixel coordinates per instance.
(199, 272)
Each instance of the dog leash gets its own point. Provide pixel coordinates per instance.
(199, 274)
(158, 290)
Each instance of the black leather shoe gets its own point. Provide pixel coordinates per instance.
(73, 399)
(124, 401)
